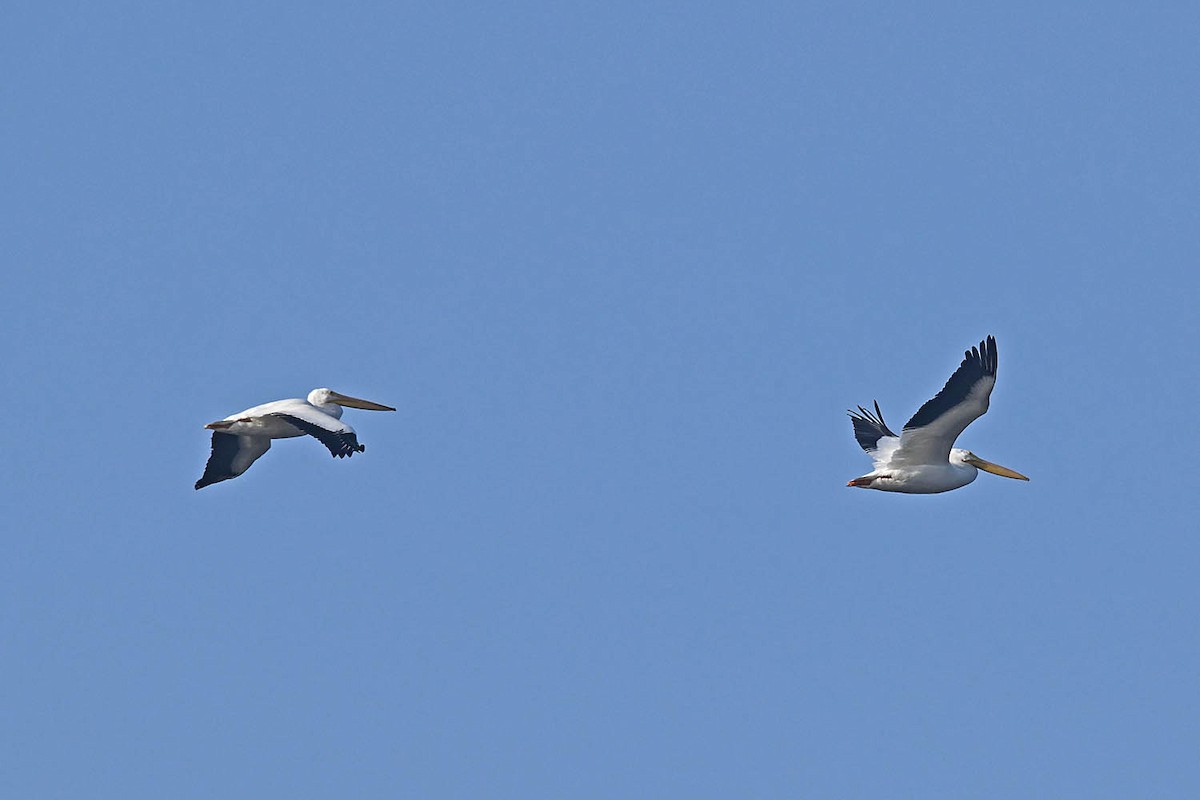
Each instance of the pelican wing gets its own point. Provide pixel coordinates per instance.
(869, 428)
(928, 437)
(231, 456)
(331, 432)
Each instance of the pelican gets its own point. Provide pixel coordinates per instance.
(922, 459)
(239, 439)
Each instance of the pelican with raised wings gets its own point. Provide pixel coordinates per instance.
(239, 439)
(923, 459)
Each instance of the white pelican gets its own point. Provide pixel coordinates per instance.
(239, 439)
(922, 459)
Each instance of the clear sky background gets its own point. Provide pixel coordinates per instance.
(622, 268)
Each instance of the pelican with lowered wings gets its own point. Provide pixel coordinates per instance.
(923, 459)
(239, 439)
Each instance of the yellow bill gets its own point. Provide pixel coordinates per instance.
(995, 469)
(355, 402)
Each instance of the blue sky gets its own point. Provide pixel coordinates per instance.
(622, 268)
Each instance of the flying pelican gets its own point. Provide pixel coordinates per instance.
(239, 439)
(922, 459)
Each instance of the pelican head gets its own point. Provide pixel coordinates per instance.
(324, 397)
(967, 457)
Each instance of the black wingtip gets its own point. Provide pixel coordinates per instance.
(987, 354)
(869, 428)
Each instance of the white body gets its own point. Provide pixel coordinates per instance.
(259, 420)
(924, 478)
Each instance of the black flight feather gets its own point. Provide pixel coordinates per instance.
(869, 428)
(339, 444)
(220, 463)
